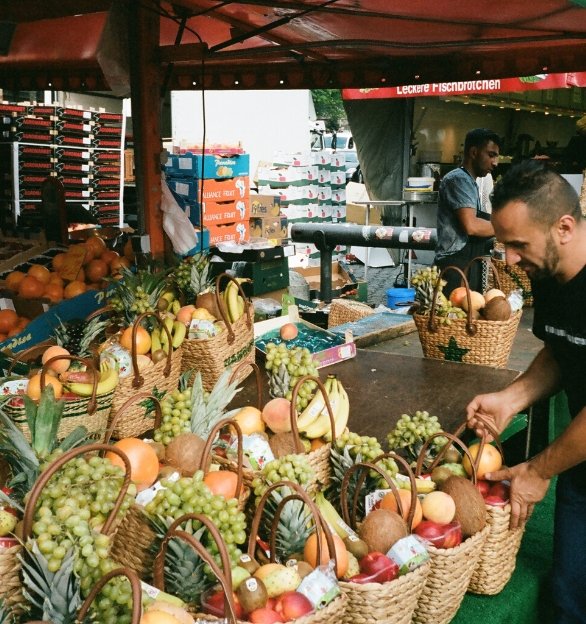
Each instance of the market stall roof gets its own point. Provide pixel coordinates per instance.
(296, 43)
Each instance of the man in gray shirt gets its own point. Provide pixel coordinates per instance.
(463, 228)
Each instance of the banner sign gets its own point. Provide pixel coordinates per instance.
(468, 87)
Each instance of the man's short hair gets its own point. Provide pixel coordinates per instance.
(479, 137)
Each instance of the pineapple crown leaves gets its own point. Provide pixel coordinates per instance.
(206, 412)
(199, 278)
(6, 616)
(55, 595)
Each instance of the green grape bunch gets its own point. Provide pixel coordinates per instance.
(411, 431)
(176, 416)
(295, 468)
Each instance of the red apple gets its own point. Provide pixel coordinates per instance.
(212, 602)
(483, 487)
(453, 535)
(271, 603)
(264, 616)
(292, 605)
(501, 490)
(379, 567)
(431, 532)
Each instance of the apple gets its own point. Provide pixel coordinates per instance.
(292, 605)
(379, 567)
(212, 602)
(453, 535)
(440, 535)
(483, 486)
(500, 489)
(264, 616)
(495, 501)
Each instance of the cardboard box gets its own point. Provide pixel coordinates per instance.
(343, 349)
(356, 213)
(230, 189)
(268, 227)
(225, 232)
(214, 165)
(279, 177)
(265, 205)
(343, 282)
(216, 213)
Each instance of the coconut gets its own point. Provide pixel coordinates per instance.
(470, 507)
(184, 452)
(283, 444)
(497, 309)
(381, 529)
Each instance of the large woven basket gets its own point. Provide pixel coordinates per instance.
(158, 379)
(133, 540)
(450, 568)
(393, 602)
(90, 412)
(335, 610)
(488, 343)
(235, 343)
(512, 277)
(347, 311)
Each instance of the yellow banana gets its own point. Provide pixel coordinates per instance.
(232, 302)
(314, 408)
(169, 296)
(341, 411)
(179, 331)
(321, 426)
(108, 381)
(332, 517)
(423, 486)
(175, 306)
(165, 344)
(240, 301)
(156, 340)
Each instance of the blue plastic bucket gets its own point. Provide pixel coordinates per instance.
(400, 297)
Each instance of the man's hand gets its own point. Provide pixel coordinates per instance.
(527, 488)
(488, 411)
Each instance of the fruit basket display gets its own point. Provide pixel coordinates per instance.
(455, 335)
(381, 591)
(512, 277)
(211, 355)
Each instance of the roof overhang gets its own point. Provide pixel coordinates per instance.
(260, 44)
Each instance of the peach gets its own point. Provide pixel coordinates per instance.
(184, 314)
(264, 616)
(293, 605)
(276, 415)
(439, 507)
(289, 332)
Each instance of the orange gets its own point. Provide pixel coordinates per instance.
(250, 420)
(490, 460)
(96, 270)
(58, 261)
(457, 296)
(390, 502)
(118, 263)
(59, 366)
(40, 272)
(13, 280)
(144, 463)
(31, 288)
(73, 289)
(8, 320)
(96, 245)
(222, 482)
(53, 292)
(56, 279)
(142, 341)
(33, 390)
(109, 255)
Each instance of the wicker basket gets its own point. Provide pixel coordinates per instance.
(488, 343)
(393, 602)
(346, 311)
(211, 356)
(157, 380)
(512, 277)
(90, 412)
(335, 610)
(450, 568)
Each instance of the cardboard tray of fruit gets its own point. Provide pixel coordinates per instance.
(327, 348)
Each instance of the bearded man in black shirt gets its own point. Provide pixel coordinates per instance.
(536, 214)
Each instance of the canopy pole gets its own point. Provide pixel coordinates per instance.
(145, 86)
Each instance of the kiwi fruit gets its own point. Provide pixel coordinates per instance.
(356, 546)
(452, 456)
(303, 568)
(252, 594)
(470, 507)
(440, 474)
(381, 529)
(248, 563)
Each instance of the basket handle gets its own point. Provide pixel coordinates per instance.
(45, 476)
(127, 404)
(224, 576)
(453, 439)
(136, 593)
(103, 310)
(491, 430)
(489, 263)
(299, 494)
(258, 376)
(206, 456)
(432, 324)
(320, 388)
(17, 357)
(222, 306)
(350, 518)
(138, 380)
(93, 403)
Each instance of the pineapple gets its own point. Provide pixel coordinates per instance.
(6, 616)
(78, 335)
(280, 382)
(192, 275)
(294, 527)
(54, 596)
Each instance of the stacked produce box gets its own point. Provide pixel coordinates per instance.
(213, 189)
(80, 148)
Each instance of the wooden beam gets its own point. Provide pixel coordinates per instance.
(145, 85)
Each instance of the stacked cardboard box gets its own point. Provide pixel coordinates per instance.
(214, 191)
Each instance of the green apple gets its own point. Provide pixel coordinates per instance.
(239, 574)
(7, 522)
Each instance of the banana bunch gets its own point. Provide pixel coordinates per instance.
(333, 518)
(107, 382)
(233, 301)
(168, 303)
(160, 340)
(423, 486)
(314, 421)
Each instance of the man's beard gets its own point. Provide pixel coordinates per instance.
(550, 262)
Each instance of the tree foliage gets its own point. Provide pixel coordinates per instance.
(329, 107)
